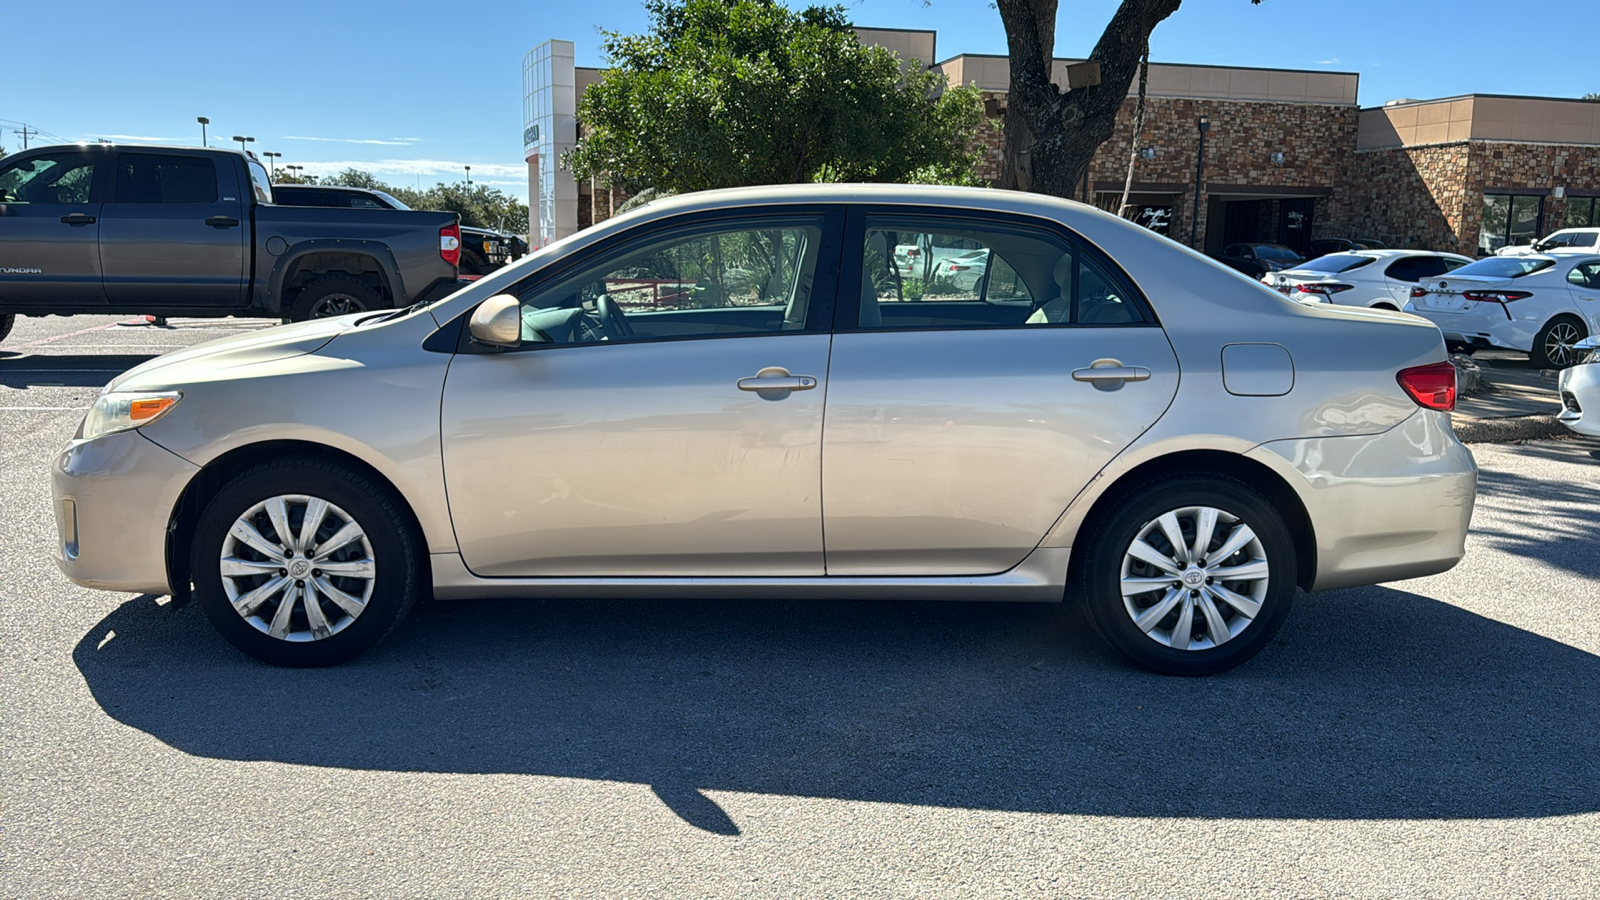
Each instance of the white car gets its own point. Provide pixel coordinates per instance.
(1580, 389)
(964, 271)
(1540, 304)
(1374, 278)
(1567, 240)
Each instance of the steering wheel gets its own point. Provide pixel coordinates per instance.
(612, 319)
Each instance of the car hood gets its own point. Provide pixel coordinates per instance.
(281, 342)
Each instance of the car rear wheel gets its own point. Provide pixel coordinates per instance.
(305, 562)
(1190, 574)
(1556, 345)
(334, 296)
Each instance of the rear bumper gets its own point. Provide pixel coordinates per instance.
(113, 499)
(1386, 506)
(1580, 398)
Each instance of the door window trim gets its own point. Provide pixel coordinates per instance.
(847, 299)
(819, 310)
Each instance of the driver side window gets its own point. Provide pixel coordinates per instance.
(57, 179)
(755, 276)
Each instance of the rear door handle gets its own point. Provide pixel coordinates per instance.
(777, 378)
(1106, 370)
(222, 221)
(78, 219)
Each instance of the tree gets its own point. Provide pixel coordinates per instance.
(480, 206)
(1050, 135)
(722, 93)
(1591, 96)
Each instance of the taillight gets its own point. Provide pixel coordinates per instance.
(450, 244)
(1496, 296)
(1432, 386)
(959, 268)
(1418, 292)
(1323, 288)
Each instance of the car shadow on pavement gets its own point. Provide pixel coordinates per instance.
(67, 370)
(1373, 703)
(1554, 522)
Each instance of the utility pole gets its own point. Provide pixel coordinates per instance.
(25, 132)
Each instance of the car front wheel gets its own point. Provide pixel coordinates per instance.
(1189, 574)
(305, 562)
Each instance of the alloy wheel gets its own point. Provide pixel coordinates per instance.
(1194, 578)
(336, 305)
(1560, 344)
(297, 568)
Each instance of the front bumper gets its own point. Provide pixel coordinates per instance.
(113, 499)
(1386, 506)
(1580, 398)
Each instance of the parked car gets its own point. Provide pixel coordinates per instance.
(526, 436)
(1257, 260)
(1375, 278)
(1324, 246)
(1579, 386)
(963, 272)
(1576, 240)
(1542, 305)
(187, 231)
(482, 249)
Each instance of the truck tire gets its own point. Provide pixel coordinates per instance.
(334, 295)
(6, 321)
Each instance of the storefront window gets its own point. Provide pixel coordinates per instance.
(1582, 212)
(1509, 219)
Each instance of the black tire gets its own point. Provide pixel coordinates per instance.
(1389, 306)
(473, 264)
(1551, 347)
(7, 321)
(1099, 580)
(395, 553)
(334, 295)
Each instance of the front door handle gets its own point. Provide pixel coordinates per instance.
(775, 379)
(1109, 370)
(222, 221)
(78, 219)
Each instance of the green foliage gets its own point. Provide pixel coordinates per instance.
(480, 206)
(725, 93)
(1591, 96)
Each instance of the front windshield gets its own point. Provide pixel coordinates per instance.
(391, 200)
(1275, 251)
(1334, 263)
(1505, 266)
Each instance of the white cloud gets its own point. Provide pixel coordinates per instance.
(1327, 62)
(426, 168)
(141, 138)
(397, 142)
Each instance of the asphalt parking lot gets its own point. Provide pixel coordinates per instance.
(1436, 737)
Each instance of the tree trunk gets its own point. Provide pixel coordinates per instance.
(1052, 152)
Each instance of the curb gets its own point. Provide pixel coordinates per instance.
(1509, 428)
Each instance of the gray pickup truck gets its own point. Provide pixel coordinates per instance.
(185, 231)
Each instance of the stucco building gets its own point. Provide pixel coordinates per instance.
(1289, 155)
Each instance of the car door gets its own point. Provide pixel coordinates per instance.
(662, 415)
(1584, 283)
(173, 232)
(952, 442)
(50, 207)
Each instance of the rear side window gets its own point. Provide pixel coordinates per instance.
(1416, 268)
(1506, 266)
(1586, 275)
(155, 178)
(1335, 263)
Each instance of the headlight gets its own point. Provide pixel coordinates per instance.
(122, 410)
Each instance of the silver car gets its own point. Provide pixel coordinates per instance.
(727, 395)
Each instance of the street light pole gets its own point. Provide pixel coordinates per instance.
(1199, 179)
(469, 176)
(203, 123)
(271, 157)
(242, 140)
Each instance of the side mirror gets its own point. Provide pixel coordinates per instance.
(497, 322)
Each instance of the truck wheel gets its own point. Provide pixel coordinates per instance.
(6, 321)
(336, 295)
(472, 264)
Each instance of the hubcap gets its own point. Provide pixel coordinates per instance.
(1560, 342)
(298, 568)
(336, 305)
(1194, 578)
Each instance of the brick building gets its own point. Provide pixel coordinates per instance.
(1289, 155)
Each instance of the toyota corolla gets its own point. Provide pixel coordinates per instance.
(736, 394)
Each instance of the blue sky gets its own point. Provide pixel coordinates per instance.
(415, 90)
